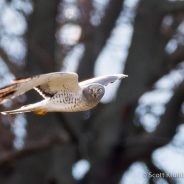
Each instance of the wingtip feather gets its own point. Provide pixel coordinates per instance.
(121, 76)
(3, 113)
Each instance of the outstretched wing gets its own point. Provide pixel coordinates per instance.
(104, 80)
(45, 84)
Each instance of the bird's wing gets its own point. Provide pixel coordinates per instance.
(104, 80)
(45, 84)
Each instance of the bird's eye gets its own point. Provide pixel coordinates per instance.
(100, 90)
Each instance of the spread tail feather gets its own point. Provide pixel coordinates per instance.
(37, 108)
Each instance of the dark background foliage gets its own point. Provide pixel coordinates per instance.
(127, 132)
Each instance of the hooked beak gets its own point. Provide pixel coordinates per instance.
(95, 93)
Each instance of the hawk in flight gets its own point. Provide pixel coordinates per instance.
(61, 92)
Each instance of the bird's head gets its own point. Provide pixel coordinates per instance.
(94, 92)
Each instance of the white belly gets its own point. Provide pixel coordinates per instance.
(68, 103)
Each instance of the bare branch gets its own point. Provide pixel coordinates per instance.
(33, 149)
(138, 147)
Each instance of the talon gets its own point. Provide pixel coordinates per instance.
(40, 112)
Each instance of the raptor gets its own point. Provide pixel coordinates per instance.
(61, 92)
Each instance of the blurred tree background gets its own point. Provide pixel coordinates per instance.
(138, 128)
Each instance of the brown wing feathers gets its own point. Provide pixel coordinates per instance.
(10, 90)
(7, 91)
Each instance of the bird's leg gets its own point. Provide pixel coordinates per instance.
(40, 112)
